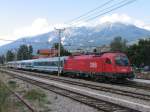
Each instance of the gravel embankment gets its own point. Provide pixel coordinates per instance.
(52, 103)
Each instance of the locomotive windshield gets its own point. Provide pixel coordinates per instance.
(121, 61)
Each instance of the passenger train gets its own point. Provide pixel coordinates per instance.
(106, 65)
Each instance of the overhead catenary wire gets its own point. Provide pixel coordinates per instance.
(119, 5)
(102, 12)
(91, 11)
(129, 2)
(89, 18)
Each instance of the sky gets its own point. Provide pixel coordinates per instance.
(19, 18)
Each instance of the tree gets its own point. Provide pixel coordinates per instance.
(139, 53)
(24, 52)
(118, 44)
(30, 51)
(10, 56)
(2, 59)
(63, 52)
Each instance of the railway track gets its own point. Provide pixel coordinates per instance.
(126, 83)
(31, 109)
(134, 85)
(132, 94)
(88, 100)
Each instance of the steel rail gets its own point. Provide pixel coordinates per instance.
(91, 86)
(20, 98)
(88, 100)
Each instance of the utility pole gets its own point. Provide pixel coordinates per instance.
(59, 48)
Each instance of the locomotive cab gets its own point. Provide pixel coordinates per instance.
(122, 66)
(117, 66)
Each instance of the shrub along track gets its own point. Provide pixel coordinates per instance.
(88, 100)
(19, 98)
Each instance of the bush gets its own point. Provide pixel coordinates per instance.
(35, 95)
(4, 94)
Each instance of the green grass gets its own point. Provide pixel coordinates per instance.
(21, 106)
(12, 84)
(6, 102)
(35, 95)
(4, 94)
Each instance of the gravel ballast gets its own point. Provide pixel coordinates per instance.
(53, 103)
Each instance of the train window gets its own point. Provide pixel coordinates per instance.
(122, 60)
(61, 63)
(36, 63)
(52, 63)
(48, 63)
(45, 63)
(56, 63)
(108, 61)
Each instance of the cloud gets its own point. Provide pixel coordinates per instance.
(7, 37)
(42, 25)
(38, 26)
(147, 26)
(79, 24)
(123, 18)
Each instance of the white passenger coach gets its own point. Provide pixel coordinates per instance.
(43, 64)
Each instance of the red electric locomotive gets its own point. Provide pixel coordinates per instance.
(108, 65)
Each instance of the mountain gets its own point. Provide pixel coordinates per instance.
(77, 37)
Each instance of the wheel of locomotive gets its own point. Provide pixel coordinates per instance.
(99, 78)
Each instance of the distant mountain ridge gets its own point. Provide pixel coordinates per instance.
(76, 37)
